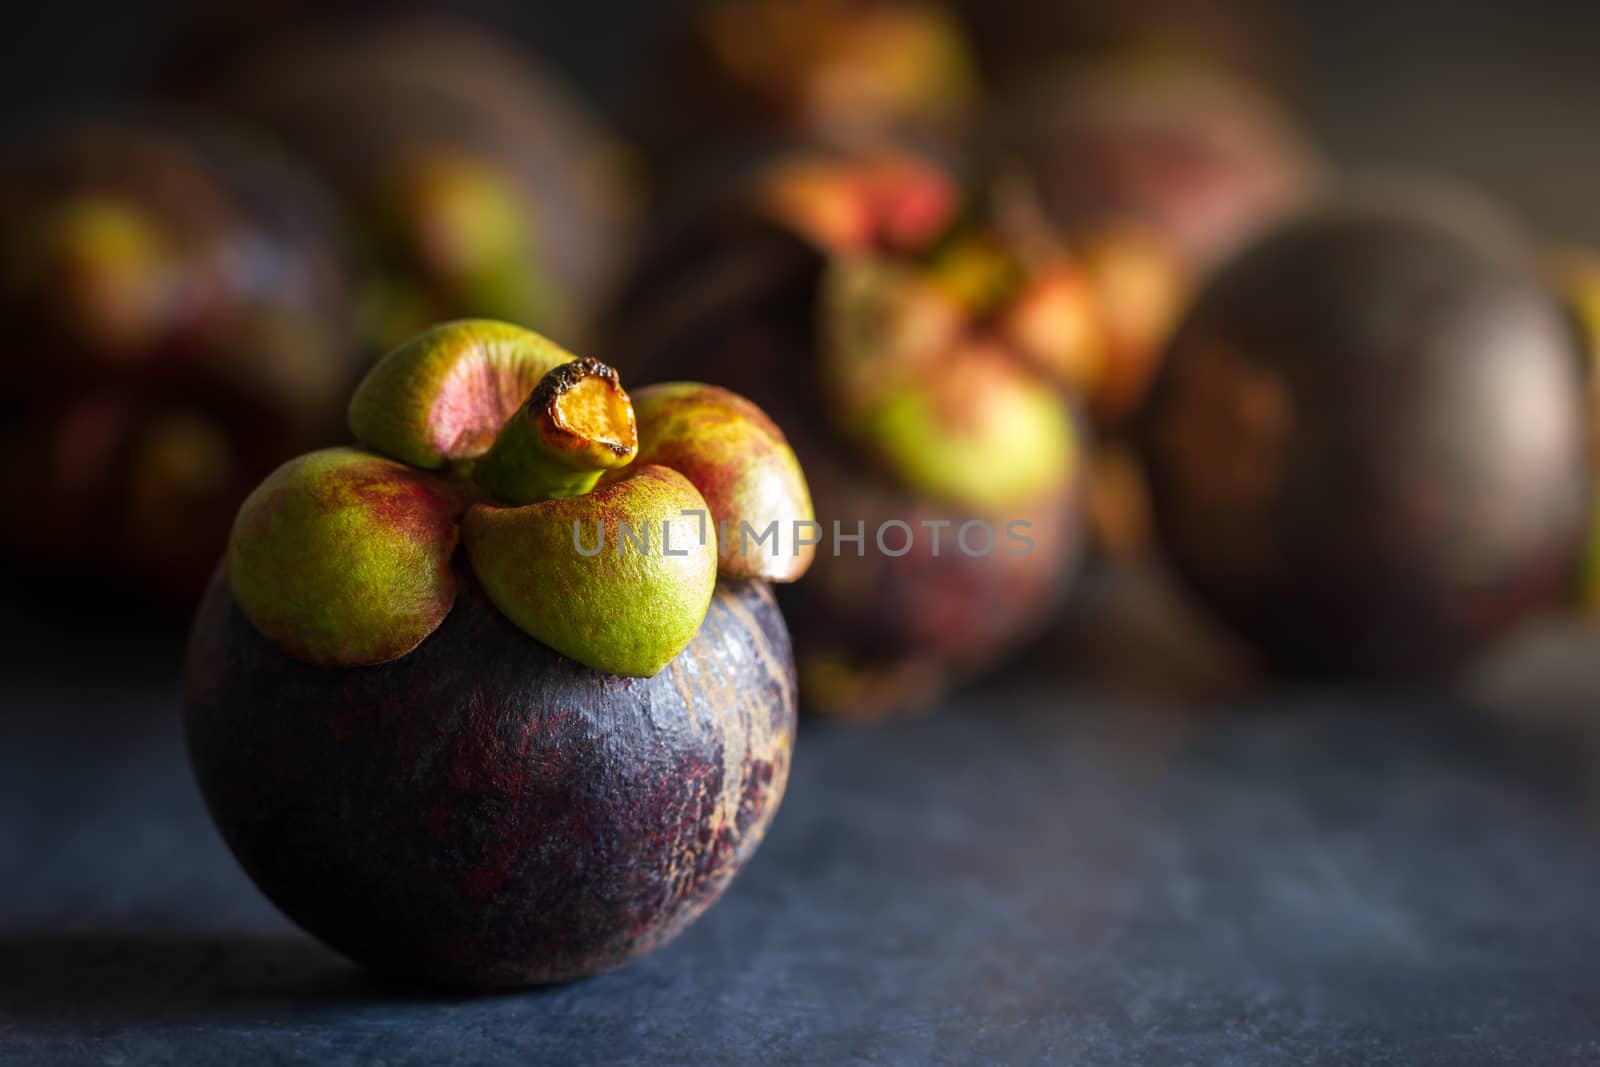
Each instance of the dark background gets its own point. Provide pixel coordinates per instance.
(1036, 872)
(1503, 94)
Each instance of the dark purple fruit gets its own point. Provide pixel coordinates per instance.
(485, 811)
(479, 187)
(1367, 446)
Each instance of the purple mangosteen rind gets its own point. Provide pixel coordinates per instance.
(486, 812)
(1368, 445)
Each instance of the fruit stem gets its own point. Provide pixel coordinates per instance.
(577, 424)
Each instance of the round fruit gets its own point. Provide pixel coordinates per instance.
(532, 760)
(477, 185)
(1199, 156)
(485, 811)
(914, 354)
(172, 291)
(1367, 449)
(839, 72)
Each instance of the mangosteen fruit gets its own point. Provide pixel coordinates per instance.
(478, 186)
(914, 348)
(173, 288)
(1367, 446)
(846, 73)
(1198, 154)
(480, 702)
(1157, 165)
(1152, 140)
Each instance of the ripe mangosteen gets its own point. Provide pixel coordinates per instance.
(536, 757)
(913, 348)
(478, 185)
(1367, 447)
(1156, 167)
(845, 73)
(1200, 156)
(173, 292)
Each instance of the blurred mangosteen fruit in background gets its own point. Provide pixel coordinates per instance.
(475, 184)
(1157, 163)
(174, 293)
(1019, 39)
(841, 73)
(916, 345)
(1367, 446)
(485, 701)
(1141, 286)
(1201, 156)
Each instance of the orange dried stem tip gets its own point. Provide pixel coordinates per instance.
(577, 424)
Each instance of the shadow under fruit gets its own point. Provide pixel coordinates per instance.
(1367, 446)
(444, 738)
